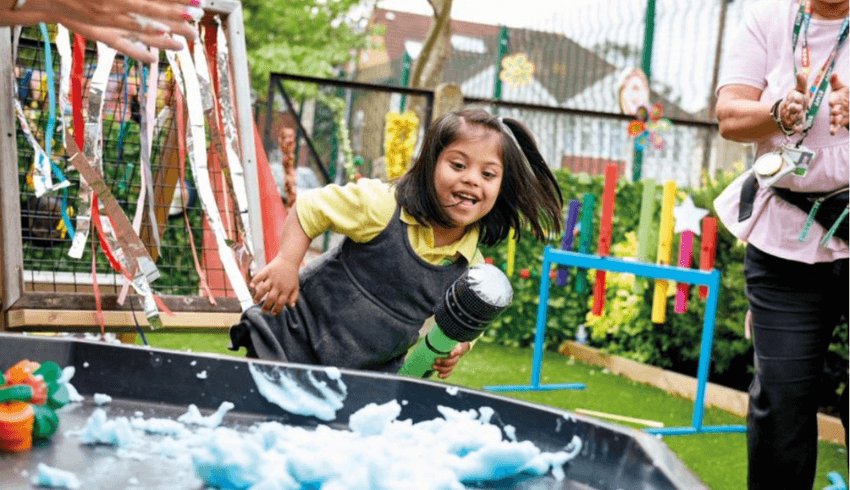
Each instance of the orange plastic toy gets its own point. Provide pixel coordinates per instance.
(29, 394)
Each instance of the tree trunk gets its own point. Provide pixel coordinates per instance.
(428, 68)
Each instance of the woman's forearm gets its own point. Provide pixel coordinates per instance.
(745, 121)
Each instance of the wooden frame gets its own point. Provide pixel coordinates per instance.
(27, 310)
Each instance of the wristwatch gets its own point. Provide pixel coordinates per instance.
(774, 114)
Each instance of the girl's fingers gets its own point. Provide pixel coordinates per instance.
(293, 298)
(260, 292)
(271, 301)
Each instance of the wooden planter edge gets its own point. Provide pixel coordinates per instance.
(722, 397)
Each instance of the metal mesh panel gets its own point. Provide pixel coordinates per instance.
(45, 246)
(364, 112)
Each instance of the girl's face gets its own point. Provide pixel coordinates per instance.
(468, 177)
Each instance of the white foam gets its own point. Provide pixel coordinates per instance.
(73, 394)
(48, 476)
(100, 430)
(158, 426)
(490, 284)
(202, 374)
(379, 452)
(67, 373)
(279, 387)
(193, 416)
(101, 399)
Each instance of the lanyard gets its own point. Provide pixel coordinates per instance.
(821, 83)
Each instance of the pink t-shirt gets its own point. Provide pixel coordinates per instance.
(761, 57)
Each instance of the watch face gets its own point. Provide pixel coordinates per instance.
(634, 91)
(768, 164)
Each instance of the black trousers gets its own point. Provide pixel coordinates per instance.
(795, 308)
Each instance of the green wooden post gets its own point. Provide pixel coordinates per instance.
(646, 66)
(405, 78)
(587, 208)
(647, 211)
(503, 48)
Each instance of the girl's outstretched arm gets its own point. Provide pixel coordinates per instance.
(277, 282)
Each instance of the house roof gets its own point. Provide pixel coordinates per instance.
(566, 74)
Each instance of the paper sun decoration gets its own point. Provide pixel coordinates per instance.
(517, 70)
(647, 126)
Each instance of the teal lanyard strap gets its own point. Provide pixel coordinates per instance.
(804, 235)
(823, 77)
(834, 226)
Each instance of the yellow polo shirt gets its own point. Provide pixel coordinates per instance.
(362, 210)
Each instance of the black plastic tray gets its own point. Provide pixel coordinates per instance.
(162, 383)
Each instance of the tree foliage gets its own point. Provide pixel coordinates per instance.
(307, 37)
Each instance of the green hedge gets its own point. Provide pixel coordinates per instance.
(625, 329)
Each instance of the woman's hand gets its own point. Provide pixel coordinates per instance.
(838, 117)
(131, 44)
(152, 17)
(792, 109)
(445, 365)
(277, 283)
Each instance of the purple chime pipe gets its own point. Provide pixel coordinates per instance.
(567, 241)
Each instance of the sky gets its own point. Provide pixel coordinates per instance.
(513, 13)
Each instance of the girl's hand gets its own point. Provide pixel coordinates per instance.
(277, 283)
(792, 109)
(445, 365)
(838, 117)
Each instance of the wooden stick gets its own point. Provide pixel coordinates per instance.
(622, 418)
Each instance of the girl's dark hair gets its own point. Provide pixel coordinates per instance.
(529, 193)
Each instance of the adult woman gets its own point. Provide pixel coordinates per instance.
(796, 263)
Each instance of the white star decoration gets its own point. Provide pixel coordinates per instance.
(688, 216)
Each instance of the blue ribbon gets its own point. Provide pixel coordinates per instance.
(51, 126)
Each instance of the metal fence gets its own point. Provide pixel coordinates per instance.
(579, 53)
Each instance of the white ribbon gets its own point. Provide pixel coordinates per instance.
(187, 81)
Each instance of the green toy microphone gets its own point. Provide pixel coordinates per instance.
(471, 303)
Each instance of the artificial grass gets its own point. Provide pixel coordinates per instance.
(719, 460)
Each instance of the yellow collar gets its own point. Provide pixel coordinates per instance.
(466, 246)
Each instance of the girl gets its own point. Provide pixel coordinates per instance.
(362, 304)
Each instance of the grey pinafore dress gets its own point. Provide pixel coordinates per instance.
(360, 306)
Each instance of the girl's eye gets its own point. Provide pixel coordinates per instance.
(457, 165)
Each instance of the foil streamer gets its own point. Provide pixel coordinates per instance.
(145, 154)
(130, 252)
(93, 130)
(234, 164)
(187, 81)
(63, 47)
(41, 179)
(147, 99)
